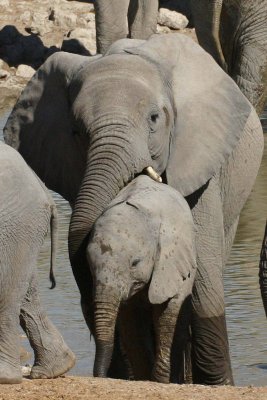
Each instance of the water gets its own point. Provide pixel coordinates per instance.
(247, 325)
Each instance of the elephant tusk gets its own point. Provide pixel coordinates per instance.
(153, 174)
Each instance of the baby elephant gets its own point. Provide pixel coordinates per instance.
(26, 211)
(142, 257)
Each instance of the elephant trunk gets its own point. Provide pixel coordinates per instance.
(105, 321)
(112, 162)
(263, 271)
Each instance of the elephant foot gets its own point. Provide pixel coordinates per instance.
(53, 364)
(9, 373)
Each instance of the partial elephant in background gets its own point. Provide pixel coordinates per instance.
(263, 270)
(112, 17)
(142, 257)
(26, 211)
(89, 125)
(234, 32)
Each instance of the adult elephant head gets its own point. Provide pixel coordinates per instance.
(88, 125)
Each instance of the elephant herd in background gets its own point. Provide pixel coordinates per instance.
(148, 258)
(234, 32)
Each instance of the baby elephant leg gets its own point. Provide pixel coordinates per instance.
(52, 356)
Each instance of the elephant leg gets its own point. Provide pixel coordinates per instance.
(142, 18)
(137, 342)
(10, 370)
(181, 371)
(206, 16)
(170, 340)
(248, 66)
(12, 288)
(210, 349)
(52, 356)
(111, 22)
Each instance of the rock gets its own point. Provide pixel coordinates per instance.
(39, 24)
(172, 19)
(4, 3)
(24, 71)
(162, 29)
(80, 41)
(63, 19)
(26, 17)
(181, 6)
(26, 370)
(4, 74)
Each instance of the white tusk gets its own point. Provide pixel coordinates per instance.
(153, 174)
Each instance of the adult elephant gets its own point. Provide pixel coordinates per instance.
(88, 126)
(26, 212)
(112, 17)
(234, 32)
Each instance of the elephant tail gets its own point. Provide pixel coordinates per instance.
(263, 271)
(54, 234)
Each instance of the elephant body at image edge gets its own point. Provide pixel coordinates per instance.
(26, 212)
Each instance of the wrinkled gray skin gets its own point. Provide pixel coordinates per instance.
(89, 125)
(118, 19)
(26, 211)
(142, 258)
(234, 32)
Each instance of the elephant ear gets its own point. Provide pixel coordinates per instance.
(175, 265)
(211, 112)
(42, 128)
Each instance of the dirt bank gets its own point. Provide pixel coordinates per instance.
(70, 388)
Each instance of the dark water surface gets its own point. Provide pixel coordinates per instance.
(247, 325)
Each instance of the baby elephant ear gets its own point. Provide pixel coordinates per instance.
(175, 265)
(211, 112)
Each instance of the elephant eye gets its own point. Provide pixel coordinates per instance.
(154, 117)
(135, 262)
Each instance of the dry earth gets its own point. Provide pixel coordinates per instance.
(70, 388)
(38, 28)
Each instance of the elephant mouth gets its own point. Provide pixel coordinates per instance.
(152, 174)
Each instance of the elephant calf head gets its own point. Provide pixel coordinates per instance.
(143, 241)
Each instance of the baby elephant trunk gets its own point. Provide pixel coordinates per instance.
(105, 322)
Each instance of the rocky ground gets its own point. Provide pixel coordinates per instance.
(30, 31)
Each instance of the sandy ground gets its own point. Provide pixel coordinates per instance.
(70, 388)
